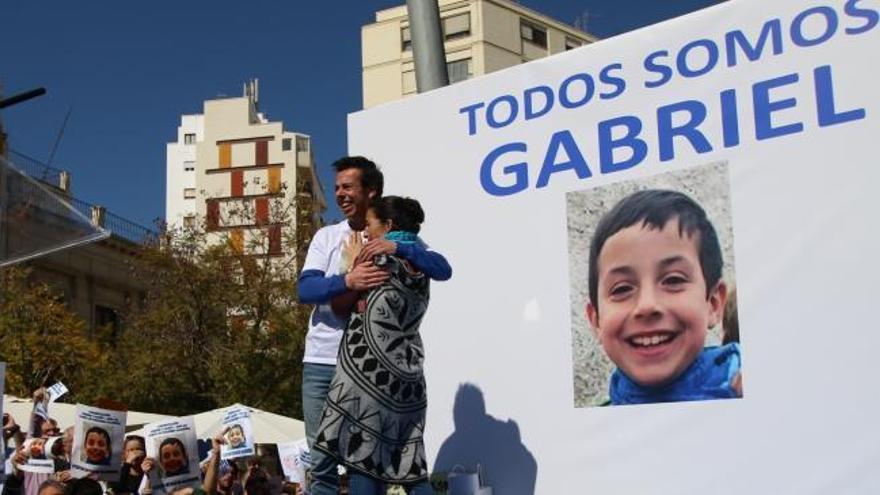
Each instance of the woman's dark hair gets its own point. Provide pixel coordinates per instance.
(103, 433)
(404, 213)
(135, 438)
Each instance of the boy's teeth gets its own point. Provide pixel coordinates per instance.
(650, 340)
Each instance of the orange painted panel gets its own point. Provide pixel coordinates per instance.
(236, 241)
(274, 180)
(225, 150)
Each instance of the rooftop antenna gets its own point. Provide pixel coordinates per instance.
(60, 134)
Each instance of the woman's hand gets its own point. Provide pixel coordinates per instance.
(351, 249)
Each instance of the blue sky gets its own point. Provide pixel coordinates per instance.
(126, 71)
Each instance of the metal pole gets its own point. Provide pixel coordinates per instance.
(427, 43)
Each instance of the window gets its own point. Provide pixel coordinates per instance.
(534, 34)
(302, 144)
(107, 318)
(456, 26)
(285, 144)
(189, 221)
(405, 39)
(189, 193)
(189, 166)
(458, 70)
(409, 82)
(571, 44)
(189, 138)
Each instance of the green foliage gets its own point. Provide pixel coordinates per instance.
(220, 324)
(41, 340)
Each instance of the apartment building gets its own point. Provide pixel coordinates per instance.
(480, 36)
(243, 177)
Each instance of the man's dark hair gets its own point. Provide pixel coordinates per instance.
(371, 176)
(653, 208)
(405, 214)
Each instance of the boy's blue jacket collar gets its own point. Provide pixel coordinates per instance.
(710, 376)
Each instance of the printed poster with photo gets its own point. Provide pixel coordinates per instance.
(174, 446)
(55, 392)
(39, 457)
(238, 432)
(98, 438)
(295, 460)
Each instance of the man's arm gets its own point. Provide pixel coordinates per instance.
(314, 287)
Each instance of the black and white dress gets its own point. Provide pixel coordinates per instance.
(374, 417)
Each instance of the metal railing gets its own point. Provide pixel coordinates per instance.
(117, 225)
(36, 169)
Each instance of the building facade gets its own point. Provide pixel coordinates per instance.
(480, 36)
(94, 279)
(243, 178)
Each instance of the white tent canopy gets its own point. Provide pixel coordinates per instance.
(267, 427)
(65, 414)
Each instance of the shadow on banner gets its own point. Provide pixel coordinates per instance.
(480, 439)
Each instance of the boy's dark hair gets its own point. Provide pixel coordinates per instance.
(653, 208)
(100, 431)
(405, 213)
(371, 176)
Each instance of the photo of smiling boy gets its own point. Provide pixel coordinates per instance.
(655, 289)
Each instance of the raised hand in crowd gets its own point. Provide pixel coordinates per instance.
(209, 484)
(11, 430)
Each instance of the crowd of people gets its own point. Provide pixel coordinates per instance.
(46, 441)
(364, 394)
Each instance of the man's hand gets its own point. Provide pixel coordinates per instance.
(376, 246)
(148, 464)
(64, 476)
(365, 276)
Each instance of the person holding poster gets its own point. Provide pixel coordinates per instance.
(324, 276)
(379, 385)
(238, 433)
(655, 289)
(171, 445)
(97, 442)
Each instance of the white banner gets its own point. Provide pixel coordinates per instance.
(761, 115)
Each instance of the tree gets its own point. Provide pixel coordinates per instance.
(220, 322)
(41, 340)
